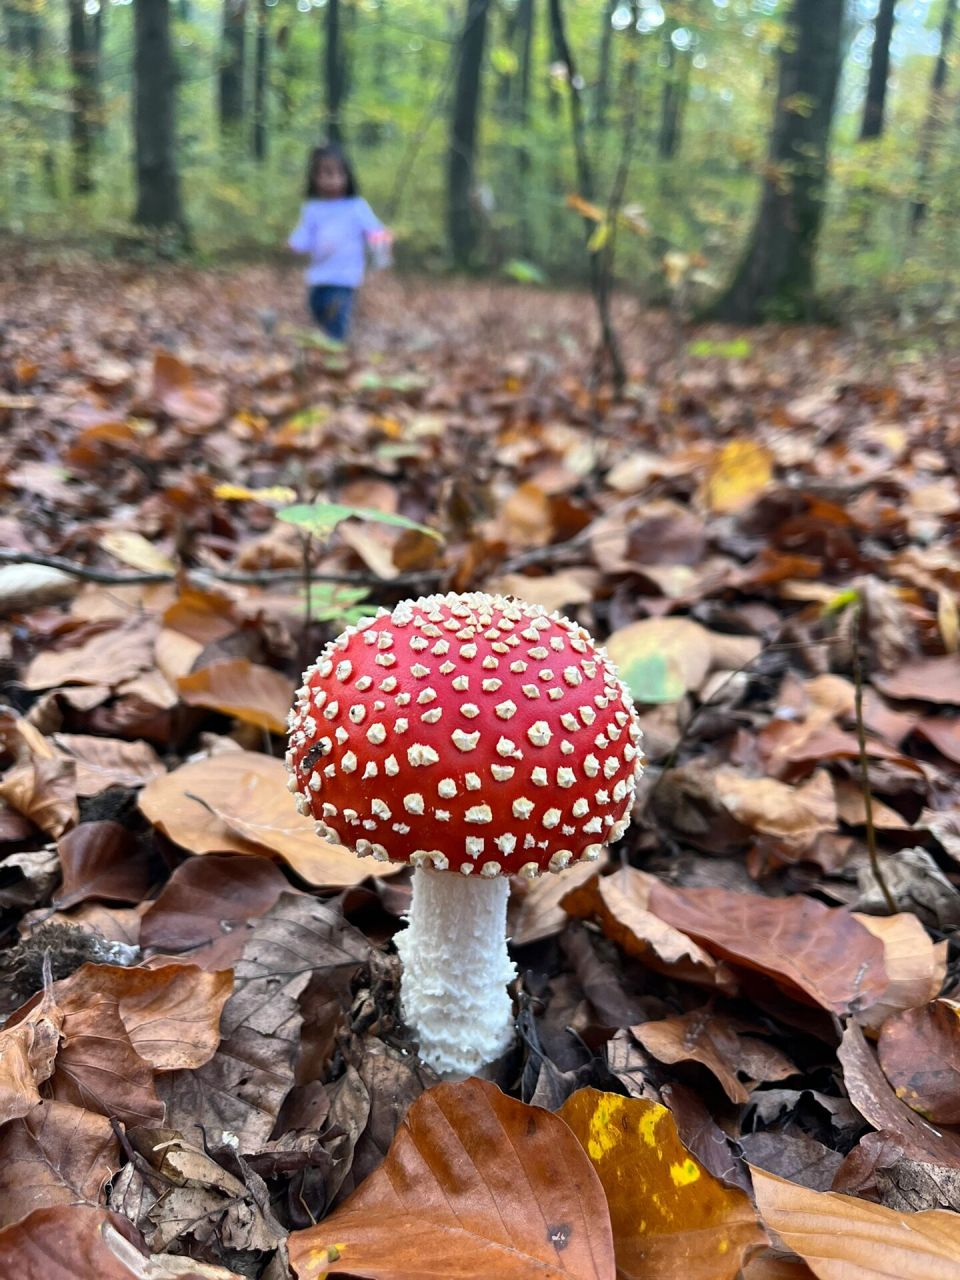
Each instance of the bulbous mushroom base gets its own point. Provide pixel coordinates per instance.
(456, 970)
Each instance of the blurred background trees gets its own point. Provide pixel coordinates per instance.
(783, 151)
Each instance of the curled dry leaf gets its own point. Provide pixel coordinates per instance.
(239, 803)
(847, 1239)
(919, 1052)
(916, 966)
(870, 1092)
(27, 1053)
(721, 1044)
(813, 952)
(55, 1154)
(474, 1183)
(794, 815)
(618, 903)
(45, 791)
(672, 1220)
(237, 687)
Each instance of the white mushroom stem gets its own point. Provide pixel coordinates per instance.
(456, 970)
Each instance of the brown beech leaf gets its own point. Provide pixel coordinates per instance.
(205, 907)
(795, 815)
(618, 903)
(102, 860)
(80, 1242)
(871, 1094)
(672, 1220)
(812, 951)
(55, 1154)
(241, 1089)
(539, 914)
(238, 802)
(943, 734)
(916, 966)
(926, 680)
(108, 762)
(843, 1238)
(475, 1183)
(720, 1044)
(238, 687)
(27, 1054)
(919, 1051)
(45, 791)
(108, 657)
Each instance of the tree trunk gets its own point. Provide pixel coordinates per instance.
(462, 221)
(84, 45)
(260, 70)
(334, 71)
(154, 105)
(602, 94)
(873, 107)
(525, 24)
(934, 118)
(233, 54)
(673, 101)
(775, 278)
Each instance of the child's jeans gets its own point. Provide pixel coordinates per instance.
(331, 305)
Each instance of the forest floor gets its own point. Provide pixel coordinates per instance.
(725, 1025)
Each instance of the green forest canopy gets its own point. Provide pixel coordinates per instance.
(698, 77)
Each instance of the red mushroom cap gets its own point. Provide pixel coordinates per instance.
(473, 731)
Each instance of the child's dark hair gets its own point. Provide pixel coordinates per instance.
(330, 151)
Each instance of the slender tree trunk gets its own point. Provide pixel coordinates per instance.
(154, 99)
(602, 94)
(875, 101)
(776, 275)
(260, 71)
(673, 101)
(84, 46)
(933, 120)
(525, 23)
(599, 263)
(462, 221)
(233, 57)
(334, 71)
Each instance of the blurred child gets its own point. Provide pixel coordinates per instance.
(336, 226)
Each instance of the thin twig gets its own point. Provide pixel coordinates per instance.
(864, 768)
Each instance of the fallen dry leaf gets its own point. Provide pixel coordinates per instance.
(474, 1183)
(846, 1239)
(237, 687)
(919, 1051)
(916, 966)
(672, 1220)
(102, 860)
(619, 904)
(239, 802)
(812, 951)
(721, 1044)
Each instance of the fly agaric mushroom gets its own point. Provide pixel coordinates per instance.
(476, 737)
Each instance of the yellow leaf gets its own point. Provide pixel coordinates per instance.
(741, 471)
(585, 208)
(134, 549)
(278, 493)
(670, 1216)
(599, 237)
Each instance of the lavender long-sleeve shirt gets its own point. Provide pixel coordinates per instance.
(334, 234)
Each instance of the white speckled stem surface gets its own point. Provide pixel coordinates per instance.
(456, 970)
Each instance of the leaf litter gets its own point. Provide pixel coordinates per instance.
(203, 1064)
